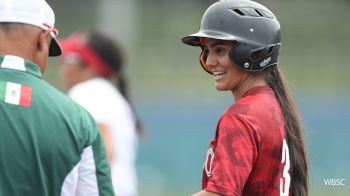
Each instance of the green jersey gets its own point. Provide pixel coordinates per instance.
(49, 145)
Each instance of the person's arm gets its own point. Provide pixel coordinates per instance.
(234, 154)
(91, 175)
(107, 139)
(94, 176)
(205, 193)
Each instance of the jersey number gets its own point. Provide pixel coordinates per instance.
(284, 184)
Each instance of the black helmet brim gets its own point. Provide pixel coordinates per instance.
(193, 40)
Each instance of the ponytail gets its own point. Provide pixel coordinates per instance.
(123, 89)
(294, 131)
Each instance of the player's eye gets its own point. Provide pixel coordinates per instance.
(220, 50)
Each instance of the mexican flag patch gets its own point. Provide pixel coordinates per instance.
(16, 94)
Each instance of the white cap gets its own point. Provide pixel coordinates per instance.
(33, 12)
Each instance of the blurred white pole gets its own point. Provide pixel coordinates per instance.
(118, 18)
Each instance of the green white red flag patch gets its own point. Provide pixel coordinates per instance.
(16, 94)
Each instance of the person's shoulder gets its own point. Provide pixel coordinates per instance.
(77, 116)
(243, 113)
(93, 89)
(256, 102)
(99, 92)
(247, 113)
(61, 103)
(232, 119)
(55, 96)
(258, 110)
(93, 84)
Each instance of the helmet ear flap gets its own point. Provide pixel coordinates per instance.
(203, 59)
(255, 55)
(254, 59)
(204, 56)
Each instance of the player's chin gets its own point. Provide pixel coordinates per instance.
(221, 87)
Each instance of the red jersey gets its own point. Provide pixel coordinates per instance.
(249, 154)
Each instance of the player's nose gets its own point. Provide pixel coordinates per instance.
(211, 61)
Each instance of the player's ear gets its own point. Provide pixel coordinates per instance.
(43, 42)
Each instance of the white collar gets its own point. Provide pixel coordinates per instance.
(13, 62)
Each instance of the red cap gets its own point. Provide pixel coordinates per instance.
(76, 45)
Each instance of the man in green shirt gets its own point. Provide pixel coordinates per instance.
(49, 145)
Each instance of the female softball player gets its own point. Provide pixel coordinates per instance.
(258, 147)
(88, 62)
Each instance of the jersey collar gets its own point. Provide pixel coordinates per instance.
(19, 64)
(256, 90)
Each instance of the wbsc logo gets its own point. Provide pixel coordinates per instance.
(334, 182)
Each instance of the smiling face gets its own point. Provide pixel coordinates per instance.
(226, 75)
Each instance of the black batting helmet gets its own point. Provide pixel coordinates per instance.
(252, 27)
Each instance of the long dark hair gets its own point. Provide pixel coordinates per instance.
(113, 55)
(294, 131)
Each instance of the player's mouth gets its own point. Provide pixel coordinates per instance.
(218, 75)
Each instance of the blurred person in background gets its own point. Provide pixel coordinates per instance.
(258, 147)
(89, 64)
